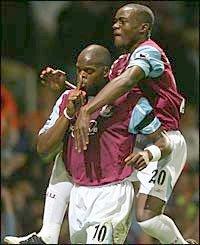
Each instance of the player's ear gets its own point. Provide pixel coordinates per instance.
(145, 27)
(106, 71)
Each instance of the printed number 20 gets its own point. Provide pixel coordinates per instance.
(100, 233)
(161, 177)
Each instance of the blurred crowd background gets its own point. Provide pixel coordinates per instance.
(37, 34)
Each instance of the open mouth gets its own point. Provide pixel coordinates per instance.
(117, 37)
(116, 34)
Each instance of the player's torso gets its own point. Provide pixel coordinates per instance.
(110, 144)
(160, 91)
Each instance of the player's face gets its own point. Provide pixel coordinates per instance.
(126, 29)
(90, 75)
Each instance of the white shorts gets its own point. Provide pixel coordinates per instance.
(100, 214)
(158, 178)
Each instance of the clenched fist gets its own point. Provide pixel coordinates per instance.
(76, 99)
(139, 160)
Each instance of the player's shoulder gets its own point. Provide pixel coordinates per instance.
(147, 48)
(65, 93)
(62, 96)
(151, 43)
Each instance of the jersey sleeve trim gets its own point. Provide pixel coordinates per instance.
(142, 118)
(148, 58)
(54, 114)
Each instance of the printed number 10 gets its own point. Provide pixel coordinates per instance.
(100, 233)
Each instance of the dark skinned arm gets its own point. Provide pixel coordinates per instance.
(55, 80)
(113, 90)
(141, 159)
(50, 140)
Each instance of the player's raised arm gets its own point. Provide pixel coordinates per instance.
(113, 90)
(51, 135)
(55, 79)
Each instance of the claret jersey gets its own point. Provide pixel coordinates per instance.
(113, 131)
(159, 85)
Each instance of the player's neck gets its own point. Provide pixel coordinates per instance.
(134, 46)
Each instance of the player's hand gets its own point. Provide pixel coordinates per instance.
(138, 160)
(76, 99)
(55, 79)
(81, 130)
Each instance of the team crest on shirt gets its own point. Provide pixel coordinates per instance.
(93, 129)
(106, 112)
(144, 56)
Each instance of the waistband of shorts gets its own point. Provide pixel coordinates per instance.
(174, 132)
(108, 184)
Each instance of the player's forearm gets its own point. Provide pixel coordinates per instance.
(49, 140)
(115, 88)
(162, 141)
(164, 145)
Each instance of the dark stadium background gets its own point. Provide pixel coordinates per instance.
(40, 33)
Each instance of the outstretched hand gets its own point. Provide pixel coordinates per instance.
(55, 79)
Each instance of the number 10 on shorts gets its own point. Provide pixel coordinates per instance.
(100, 234)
